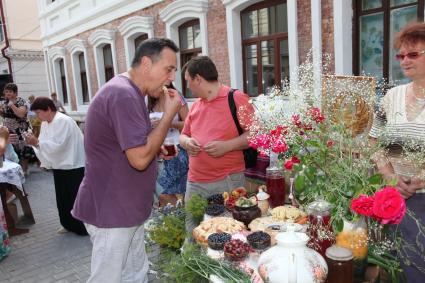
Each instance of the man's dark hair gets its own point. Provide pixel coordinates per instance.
(43, 103)
(202, 66)
(11, 86)
(152, 48)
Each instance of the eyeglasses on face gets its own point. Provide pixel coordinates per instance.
(410, 55)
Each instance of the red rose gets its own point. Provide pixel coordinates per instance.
(363, 205)
(295, 160)
(288, 164)
(389, 206)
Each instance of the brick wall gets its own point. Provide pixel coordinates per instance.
(304, 28)
(217, 38)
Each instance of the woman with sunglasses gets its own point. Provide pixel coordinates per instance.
(399, 125)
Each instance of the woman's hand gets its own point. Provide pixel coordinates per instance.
(30, 139)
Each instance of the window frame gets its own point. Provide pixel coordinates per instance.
(276, 38)
(63, 80)
(193, 52)
(386, 10)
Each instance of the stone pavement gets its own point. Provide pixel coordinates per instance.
(42, 255)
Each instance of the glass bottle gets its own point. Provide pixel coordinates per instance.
(320, 227)
(340, 265)
(275, 182)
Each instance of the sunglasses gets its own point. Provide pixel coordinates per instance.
(410, 55)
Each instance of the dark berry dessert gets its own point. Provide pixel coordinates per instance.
(236, 250)
(215, 209)
(216, 199)
(259, 240)
(216, 240)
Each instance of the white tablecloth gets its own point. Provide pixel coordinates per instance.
(12, 173)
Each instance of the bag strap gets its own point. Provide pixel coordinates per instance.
(232, 106)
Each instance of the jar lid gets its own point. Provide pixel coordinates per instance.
(261, 195)
(318, 206)
(339, 253)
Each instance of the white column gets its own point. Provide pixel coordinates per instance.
(343, 16)
(293, 41)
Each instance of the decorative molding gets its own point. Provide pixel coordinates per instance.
(101, 36)
(136, 24)
(25, 54)
(92, 14)
(132, 28)
(175, 9)
(179, 12)
(56, 52)
(76, 45)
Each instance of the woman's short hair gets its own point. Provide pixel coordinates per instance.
(43, 103)
(11, 86)
(410, 35)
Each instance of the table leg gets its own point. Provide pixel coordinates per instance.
(11, 228)
(23, 199)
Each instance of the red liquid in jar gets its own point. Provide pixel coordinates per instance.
(276, 190)
(171, 150)
(320, 225)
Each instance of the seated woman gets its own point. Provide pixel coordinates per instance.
(6, 149)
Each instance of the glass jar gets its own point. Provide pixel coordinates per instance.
(340, 265)
(354, 236)
(275, 182)
(263, 202)
(320, 228)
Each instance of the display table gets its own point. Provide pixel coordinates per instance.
(12, 179)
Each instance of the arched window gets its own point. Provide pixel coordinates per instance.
(83, 77)
(63, 81)
(190, 46)
(376, 24)
(265, 46)
(108, 63)
(139, 40)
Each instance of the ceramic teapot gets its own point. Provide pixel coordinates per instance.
(291, 261)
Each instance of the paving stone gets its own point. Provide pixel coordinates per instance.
(42, 255)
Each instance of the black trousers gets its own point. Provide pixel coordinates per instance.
(67, 183)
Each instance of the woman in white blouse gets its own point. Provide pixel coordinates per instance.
(401, 123)
(60, 147)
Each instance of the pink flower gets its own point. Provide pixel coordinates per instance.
(363, 205)
(330, 143)
(280, 146)
(389, 206)
(317, 115)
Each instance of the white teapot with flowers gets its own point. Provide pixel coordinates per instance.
(291, 261)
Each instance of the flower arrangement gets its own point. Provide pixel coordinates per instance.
(386, 205)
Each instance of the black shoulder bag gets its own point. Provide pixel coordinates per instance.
(249, 154)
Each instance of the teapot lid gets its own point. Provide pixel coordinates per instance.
(339, 253)
(261, 195)
(291, 237)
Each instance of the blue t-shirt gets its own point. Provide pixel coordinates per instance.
(113, 194)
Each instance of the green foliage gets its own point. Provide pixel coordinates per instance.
(196, 208)
(193, 265)
(338, 172)
(171, 233)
